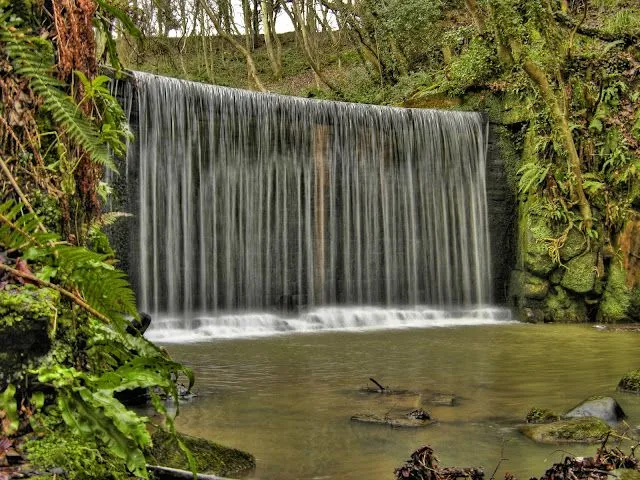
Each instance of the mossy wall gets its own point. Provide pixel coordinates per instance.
(27, 318)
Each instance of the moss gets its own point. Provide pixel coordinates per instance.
(563, 307)
(541, 415)
(509, 154)
(630, 381)
(534, 287)
(577, 430)
(580, 275)
(573, 246)
(209, 457)
(634, 304)
(432, 100)
(79, 457)
(26, 315)
(533, 248)
(556, 276)
(616, 298)
(17, 304)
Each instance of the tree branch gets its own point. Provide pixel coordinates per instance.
(43, 283)
(568, 22)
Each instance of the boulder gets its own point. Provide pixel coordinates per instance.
(604, 408)
(574, 245)
(536, 255)
(534, 287)
(560, 306)
(630, 382)
(616, 298)
(574, 430)
(580, 275)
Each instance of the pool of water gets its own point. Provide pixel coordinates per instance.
(288, 399)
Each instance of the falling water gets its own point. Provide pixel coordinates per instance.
(254, 202)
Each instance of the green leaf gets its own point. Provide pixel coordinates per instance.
(9, 405)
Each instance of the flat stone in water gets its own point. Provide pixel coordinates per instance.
(414, 419)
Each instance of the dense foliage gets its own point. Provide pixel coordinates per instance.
(59, 127)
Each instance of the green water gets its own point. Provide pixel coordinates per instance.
(288, 399)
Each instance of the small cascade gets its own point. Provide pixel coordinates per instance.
(168, 329)
(250, 202)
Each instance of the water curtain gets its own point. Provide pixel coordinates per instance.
(248, 201)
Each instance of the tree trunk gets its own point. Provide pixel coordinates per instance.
(251, 66)
(562, 127)
(268, 29)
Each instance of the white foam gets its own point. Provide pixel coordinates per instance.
(203, 327)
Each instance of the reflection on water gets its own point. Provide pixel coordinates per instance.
(288, 399)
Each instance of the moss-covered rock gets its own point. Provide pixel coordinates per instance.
(576, 430)
(556, 276)
(616, 298)
(574, 245)
(209, 457)
(563, 307)
(534, 248)
(634, 304)
(534, 287)
(541, 415)
(630, 382)
(580, 274)
(26, 317)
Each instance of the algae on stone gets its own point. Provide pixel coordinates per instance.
(534, 287)
(576, 430)
(616, 298)
(541, 415)
(209, 456)
(26, 317)
(563, 307)
(630, 381)
(573, 246)
(536, 254)
(580, 275)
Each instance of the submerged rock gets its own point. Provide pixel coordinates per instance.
(630, 382)
(574, 430)
(413, 419)
(604, 408)
(209, 456)
(541, 415)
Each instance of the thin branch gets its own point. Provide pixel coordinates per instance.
(43, 283)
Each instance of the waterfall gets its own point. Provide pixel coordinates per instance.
(254, 202)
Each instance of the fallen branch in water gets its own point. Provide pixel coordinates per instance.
(382, 389)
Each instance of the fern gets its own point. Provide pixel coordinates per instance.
(32, 58)
(101, 285)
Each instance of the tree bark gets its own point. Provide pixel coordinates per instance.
(251, 66)
(538, 76)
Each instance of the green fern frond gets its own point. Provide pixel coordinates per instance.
(106, 220)
(19, 230)
(32, 58)
(101, 285)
